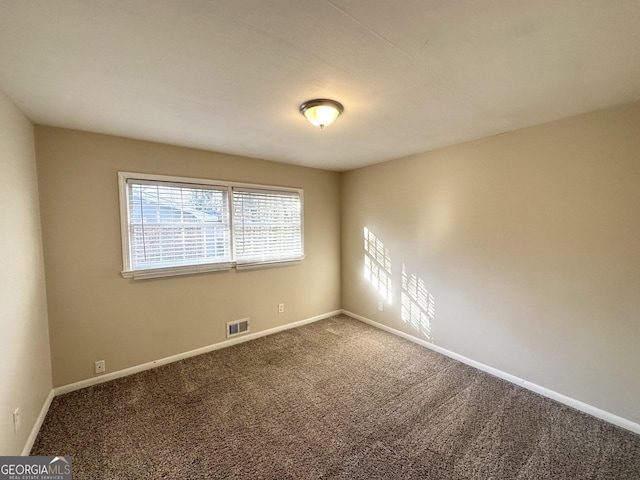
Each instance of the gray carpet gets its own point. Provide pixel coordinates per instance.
(333, 399)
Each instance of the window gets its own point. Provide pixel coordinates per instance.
(173, 226)
(267, 225)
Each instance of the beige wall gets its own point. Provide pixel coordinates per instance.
(25, 366)
(96, 314)
(529, 243)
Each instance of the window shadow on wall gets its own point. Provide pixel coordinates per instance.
(377, 265)
(417, 304)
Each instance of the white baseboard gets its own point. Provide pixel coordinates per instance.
(192, 353)
(571, 402)
(36, 426)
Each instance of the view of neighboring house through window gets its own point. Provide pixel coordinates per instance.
(172, 225)
(176, 225)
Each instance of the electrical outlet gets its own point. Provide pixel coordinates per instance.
(16, 420)
(281, 308)
(381, 305)
(100, 366)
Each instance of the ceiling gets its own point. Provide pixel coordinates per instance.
(229, 75)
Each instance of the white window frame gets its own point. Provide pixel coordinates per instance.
(128, 272)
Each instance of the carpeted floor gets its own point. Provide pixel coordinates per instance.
(333, 399)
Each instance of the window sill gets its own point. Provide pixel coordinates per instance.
(269, 264)
(175, 271)
(217, 267)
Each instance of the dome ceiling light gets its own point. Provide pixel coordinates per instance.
(321, 112)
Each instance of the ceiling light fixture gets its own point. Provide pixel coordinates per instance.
(321, 112)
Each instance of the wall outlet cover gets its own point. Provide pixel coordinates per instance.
(100, 366)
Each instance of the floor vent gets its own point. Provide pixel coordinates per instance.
(237, 327)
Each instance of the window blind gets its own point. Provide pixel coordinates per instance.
(174, 225)
(178, 225)
(267, 225)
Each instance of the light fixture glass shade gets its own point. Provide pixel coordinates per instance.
(321, 112)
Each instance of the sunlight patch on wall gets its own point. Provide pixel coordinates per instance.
(377, 265)
(418, 305)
